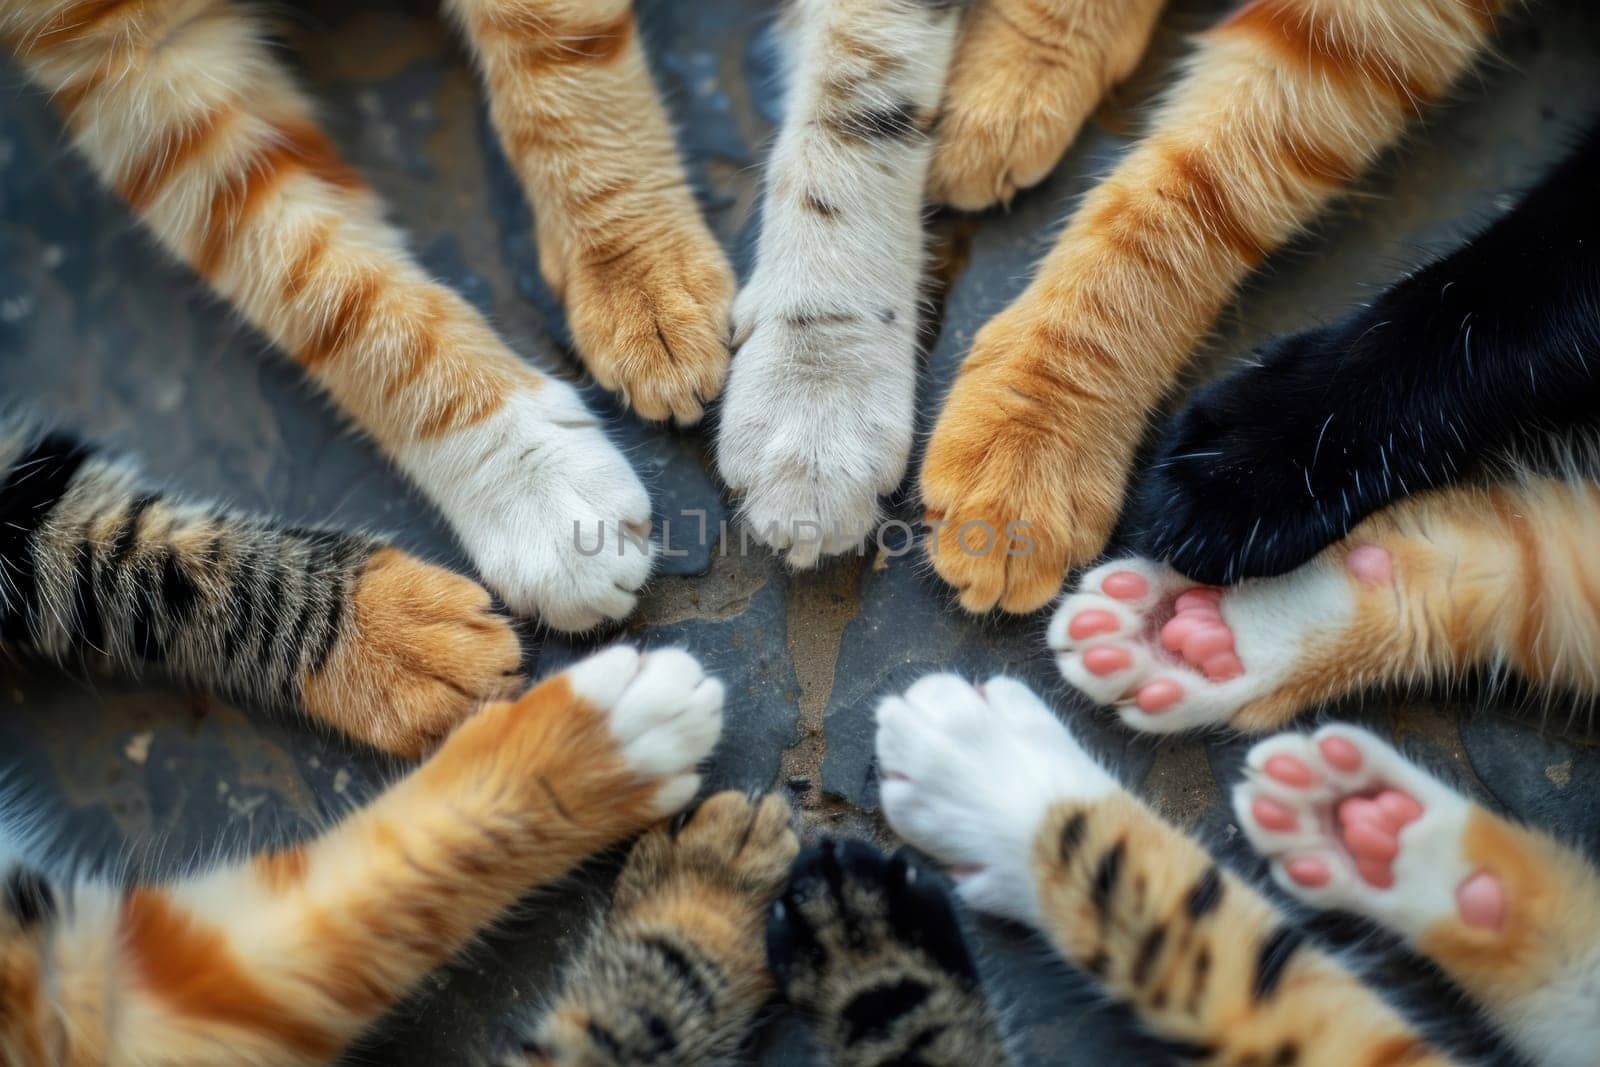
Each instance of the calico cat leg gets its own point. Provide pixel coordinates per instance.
(987, 780)
(1283, 104)
(675, 972)
(1459, 366)
(869, 947)
(818, 417)
(288, 957)
(182, 108)
(621, 240)
(1425, 590)
(100, 568)
(1026, 75)
(1505, 911)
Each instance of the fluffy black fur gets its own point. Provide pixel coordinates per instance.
(1481, 359)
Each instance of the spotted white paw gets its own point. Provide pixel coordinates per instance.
(969, 773)
(817, 419)
(1172, 655)
(551, 513)
(1349, 823)
(665, 713)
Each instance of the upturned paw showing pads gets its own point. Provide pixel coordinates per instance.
(870, 948)
(551, 513)
(817, 423)
(1347, 822)
(1174, 655)
(423, 649)
(664, 713)
(968, 774)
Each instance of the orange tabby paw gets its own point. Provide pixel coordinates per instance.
(420, 650)
(650, 318)
(1023, 477)
(1024, 78)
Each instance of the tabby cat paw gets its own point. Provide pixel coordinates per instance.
(422, 648)
(870, 948)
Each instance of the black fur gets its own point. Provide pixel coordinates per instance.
(1483, 358)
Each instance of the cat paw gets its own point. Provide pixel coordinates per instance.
(735, 846)
(1024, 475)
(1347, 822)
(1261, 470)
(651, 320)
(969, 773)
(423, 648)
(870, 948)
(817, 422)
(550, 512)
(1172, 655)
(664, 713)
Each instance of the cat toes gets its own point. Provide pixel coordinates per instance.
(1347, 822)
(652, 324)
(967, 775)
(665, 715)
(816, 428)
(423, 649)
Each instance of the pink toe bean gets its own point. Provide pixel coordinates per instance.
(1089, 623)
(1308, 871)
(1290, 771)
(1204, 599)
(1223, 667)
(1482, 901)
(1124, 585)
(1273, 814)
(1159, 695)
(1341, 753)
(1102, 660)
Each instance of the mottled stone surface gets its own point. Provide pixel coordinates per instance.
(96, 327)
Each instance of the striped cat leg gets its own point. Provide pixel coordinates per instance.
(288, 957)
(675, 972)
(621, 240)
(818, 417)
(96, 566)
(181, 107)
(1429, 588)
(1505, 911)
(1026, 75)
(988, 780)
(1284, 103)
(869, 947)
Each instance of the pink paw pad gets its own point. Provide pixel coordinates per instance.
(1341, 754)
(1371, 565)
(1289, 771)
(1481, 900)
(1198, 634)
(1370, 829)
(1155, 697)
(1104, 659)
(1087, 624)
(1273, 815)
(1124, 585)
(1308, 871)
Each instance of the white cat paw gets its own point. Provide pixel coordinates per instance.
(969, 773)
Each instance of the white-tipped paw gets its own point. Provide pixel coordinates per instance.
(1347, 822)
(816, 421)
(968, 774)
(551, 513)
(665, 713)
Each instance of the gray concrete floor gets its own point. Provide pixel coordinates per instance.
(99, 329)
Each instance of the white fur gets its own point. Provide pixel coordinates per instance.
(1558, 1024)
(817, 421)
(513, 486)
(1274, 622)
(969, 774)
(665, 713)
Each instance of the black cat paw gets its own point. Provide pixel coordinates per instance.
(869, 946)
(1266, 467)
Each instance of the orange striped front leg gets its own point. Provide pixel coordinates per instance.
(181, 107)
(1285, 102)
(1026, 75)
(290, 956)
(621, 240)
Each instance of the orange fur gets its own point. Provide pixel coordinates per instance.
(1279, 99)
(1182, 941)
(1026, 75)
(621, 240)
